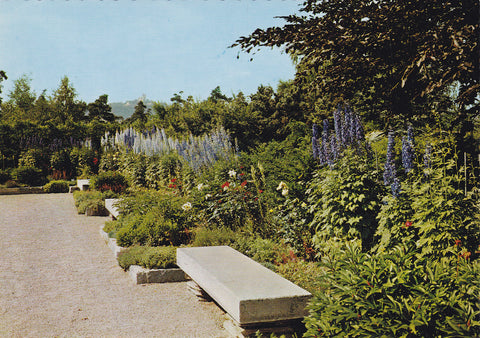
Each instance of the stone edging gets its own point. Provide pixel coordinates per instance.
(21, 190)
(139, 274)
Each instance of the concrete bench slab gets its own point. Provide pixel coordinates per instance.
(110, 206)
(249, 292)
(83, 184)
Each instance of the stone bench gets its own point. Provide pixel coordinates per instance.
(110, 206)
(83, 184)
(249, 292)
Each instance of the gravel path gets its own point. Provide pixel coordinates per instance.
(59, 279)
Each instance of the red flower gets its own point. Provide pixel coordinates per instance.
(95, 161)
(241, 174)
(408, 224)
(458, 242)
(226, 184)
(173, 186)
(260, 191)
(244, 183)
(173, 180)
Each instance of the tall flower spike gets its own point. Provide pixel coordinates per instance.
(408, 150)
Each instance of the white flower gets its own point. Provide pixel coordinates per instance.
(282, 186)
(208, 196)
(201, 186)
(232, 173)
(187, 206)
(284, 192)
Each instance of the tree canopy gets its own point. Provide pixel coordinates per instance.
(392, 53)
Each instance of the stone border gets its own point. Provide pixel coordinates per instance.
(139, 274)
(21, 190)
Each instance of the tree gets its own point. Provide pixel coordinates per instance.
(396, 53)
(66, 107)
(22, 95)
(3, 76)
(217, 95)
(139, 116)
(100, 109)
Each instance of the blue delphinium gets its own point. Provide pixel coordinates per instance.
(396, 187)
(408, 150)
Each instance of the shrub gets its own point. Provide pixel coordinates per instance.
(56, 187)
(431, 209)
(346, 197)
(4, 176)
(11, 184)
(148, 257)
(29, 175)
(307, 275)
(153, 218)
(397, 295)
(213, 237)
(109, 180)
(91, 201)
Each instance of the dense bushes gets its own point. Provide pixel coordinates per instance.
(109, 180)
(153, 218)
(29, 175)
(149, 257)
(396, 294)
(56, 187)
(4, 176)
(90, 202)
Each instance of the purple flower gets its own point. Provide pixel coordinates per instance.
(396, 187)
(408, 150)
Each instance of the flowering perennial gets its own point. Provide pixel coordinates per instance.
(199, 152)
(348, 131)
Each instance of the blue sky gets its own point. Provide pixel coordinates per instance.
(128, 48)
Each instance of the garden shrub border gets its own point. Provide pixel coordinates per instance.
(141, 275)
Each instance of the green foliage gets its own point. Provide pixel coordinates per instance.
(204, 236)
(29, 175)
(155, 219)
(109, 180)
(307, 275)
(60, 160)
(109, 161)
(56, 187)
(33, 158)
(294, 218)
(346, 197)
(4, 176)
(92, 201)
(260, 250)
(389, 57)
(163, 257)
(432, 210)
(84, 160)
(396, 295)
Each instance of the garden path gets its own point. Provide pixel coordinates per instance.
(59, 279)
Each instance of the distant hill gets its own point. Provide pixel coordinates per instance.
(126, 109)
